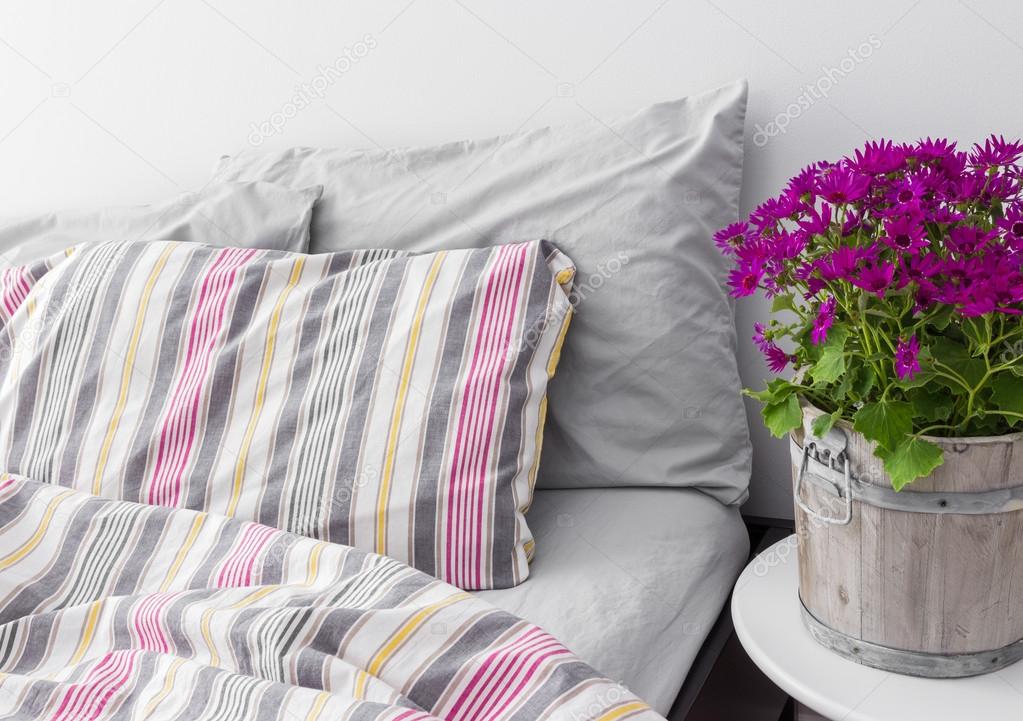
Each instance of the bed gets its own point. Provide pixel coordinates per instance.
(298, 474)
(630, 579)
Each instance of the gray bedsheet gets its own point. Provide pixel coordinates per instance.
(630, 579)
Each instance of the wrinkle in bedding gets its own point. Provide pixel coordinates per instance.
(111, 609)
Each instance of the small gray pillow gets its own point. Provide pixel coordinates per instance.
(647, 392)
(249, 214)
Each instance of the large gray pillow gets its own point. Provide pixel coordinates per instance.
(250, 214)
(647, 393)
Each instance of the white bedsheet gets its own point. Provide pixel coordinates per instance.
(630, 579)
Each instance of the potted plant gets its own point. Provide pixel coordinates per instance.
(897, 332)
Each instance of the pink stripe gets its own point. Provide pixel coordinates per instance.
(510, 695)
(509, 664)
(500, 355)
(15, 284)
(491, 660)
(486, 323)
(180, 426)
(457, 483)
(148, 622)
(201, 338)
(88, 699)
(238, 568)
(174, 439)
(476, 422)
(481, 440)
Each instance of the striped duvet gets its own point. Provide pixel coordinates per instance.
(116, 610)
(389, 401)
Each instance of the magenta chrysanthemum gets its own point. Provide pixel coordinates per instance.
(825, 318)
(907, 363)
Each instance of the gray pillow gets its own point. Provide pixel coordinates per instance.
(250, 214)
(647, 392)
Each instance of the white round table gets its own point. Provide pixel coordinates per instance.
(765, 609)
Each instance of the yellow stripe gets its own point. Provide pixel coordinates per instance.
(90, 630)
(383, 495)
(528, 547)
(204, 626)
(28, 546)
(314, 563)
(193, 533)
(623, 710)
(168, 686)
(129, 365)
(408, 629)
(262, 592)
(264, 375)
(361, 679)
(317, 709)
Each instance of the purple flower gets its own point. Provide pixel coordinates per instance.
(777, 359)
(907, 363)
(823, 321)
(819, 222)
(746, 278)
(968, 239)
(760, 337)
(731, 237)
(803, 185)
(840, 185)
(906, 232)
(843, 262)
(875, 277)
(879, 158)
(927, 149)
(1012, 225)
(996, 150)
(773, 210)
(920, 187)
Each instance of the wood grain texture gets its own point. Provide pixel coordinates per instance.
(934, 583)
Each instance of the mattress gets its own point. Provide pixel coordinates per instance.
(630, 579)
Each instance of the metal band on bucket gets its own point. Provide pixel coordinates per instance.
(811, 467)
(911, 663)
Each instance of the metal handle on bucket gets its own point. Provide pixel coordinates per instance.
(830, 451)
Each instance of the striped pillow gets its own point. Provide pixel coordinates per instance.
(385, 400)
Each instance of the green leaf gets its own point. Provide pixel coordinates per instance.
(864, 382)
(956, 356)
(886, 422)
(941, 318)
(824, 423)
(917, 381)
(911, 459)
(777, 390)
(782, 417)
(930, 405)
(1007, 395)
(975, 329)
(831, 365)
(783, 302)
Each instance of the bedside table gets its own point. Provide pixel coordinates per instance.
(765, 610)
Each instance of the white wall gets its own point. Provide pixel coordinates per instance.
(124, 102)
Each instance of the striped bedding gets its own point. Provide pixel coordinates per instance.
(116, 610)
(389, 401)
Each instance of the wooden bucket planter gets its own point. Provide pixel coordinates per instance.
(927, 581)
